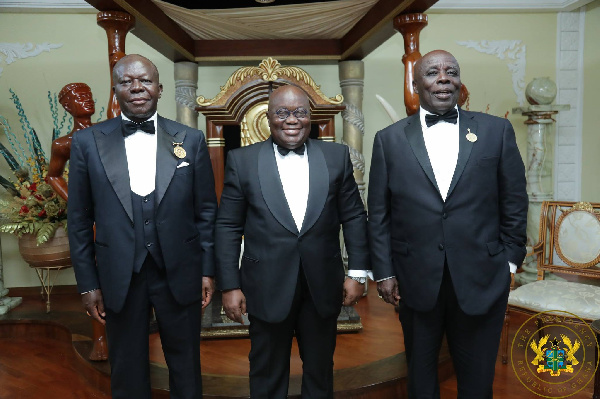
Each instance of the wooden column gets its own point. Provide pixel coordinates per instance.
(216, 150)
(116, 24)
(410, 26)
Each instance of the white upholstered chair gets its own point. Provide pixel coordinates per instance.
(569, 244)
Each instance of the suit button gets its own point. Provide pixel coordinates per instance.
(145, 199)
(146, 222)
(441, 247)
(132, 224)
(444, 215)
(148, 244)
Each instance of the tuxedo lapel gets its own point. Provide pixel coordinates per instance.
(318, 185)
(166, 161)
(111, 148)
(271, 187)
(414, 135)
(466, 124)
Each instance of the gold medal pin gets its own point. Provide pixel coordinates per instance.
(178, 150)
(472, 137)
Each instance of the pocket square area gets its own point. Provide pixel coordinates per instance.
(183, 164)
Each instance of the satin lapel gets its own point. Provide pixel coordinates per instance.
(466, 124)
(111, 148)
(271, 188)
(318, 185)
(414, 135)
(166, 161)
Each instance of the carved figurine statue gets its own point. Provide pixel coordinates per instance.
(76, 99)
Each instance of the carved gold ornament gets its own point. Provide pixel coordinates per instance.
(270, 70)
(255, 125)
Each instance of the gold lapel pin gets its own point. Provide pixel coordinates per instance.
(178, 150)
(472, 137)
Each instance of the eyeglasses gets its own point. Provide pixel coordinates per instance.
(284, 113)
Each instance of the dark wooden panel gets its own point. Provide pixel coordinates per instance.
(215, 50)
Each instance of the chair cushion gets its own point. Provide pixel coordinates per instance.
(543, 295)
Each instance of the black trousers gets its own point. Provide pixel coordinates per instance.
(271, 345)
(473, 342)
(127, 334)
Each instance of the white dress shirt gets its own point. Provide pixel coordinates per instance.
(441, 141)
(293, 173)
(140, 148)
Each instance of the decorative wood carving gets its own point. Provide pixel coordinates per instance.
(116, 24)
(241, 102)
(410, 26)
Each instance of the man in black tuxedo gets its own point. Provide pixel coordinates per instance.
(288, 197)
(147, 184)
(447, 221)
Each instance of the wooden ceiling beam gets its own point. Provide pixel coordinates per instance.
(153, 27)
(375, 26)
(241, 50)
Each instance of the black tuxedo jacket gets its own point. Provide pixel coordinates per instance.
(478, 229)
(100, 193)
(253, 204)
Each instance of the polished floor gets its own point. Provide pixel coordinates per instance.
(35, 364)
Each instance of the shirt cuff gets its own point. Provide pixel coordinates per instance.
(87, 292)
(360, 273)
(513, 267)
(387, 278)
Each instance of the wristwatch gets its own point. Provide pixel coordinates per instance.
(359, 280)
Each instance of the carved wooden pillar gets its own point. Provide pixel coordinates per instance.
(410, 26)
(216, 149)
(116, 24)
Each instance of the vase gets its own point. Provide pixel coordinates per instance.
(52, 253)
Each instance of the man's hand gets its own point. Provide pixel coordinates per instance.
(94, 305)
(388, 290)
(234, 304)
(208, 289)
(353, 291)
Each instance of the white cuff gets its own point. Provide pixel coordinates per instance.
(387, 278)
(513, 267)
(360, 273)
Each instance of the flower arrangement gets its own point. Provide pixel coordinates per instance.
(30, 205)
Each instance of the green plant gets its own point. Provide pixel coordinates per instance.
(30, 206)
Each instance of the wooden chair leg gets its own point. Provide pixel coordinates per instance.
(504, 339)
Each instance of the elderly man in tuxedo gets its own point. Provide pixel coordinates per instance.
(288, 196)
(147, 184)
(447, 220)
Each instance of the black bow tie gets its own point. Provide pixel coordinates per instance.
(450, 117)
(130, 128)
(284, 151)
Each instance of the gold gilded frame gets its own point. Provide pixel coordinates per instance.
(579, 207)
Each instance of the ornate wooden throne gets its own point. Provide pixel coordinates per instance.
(237, 116)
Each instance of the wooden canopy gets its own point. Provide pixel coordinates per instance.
(161, 32)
